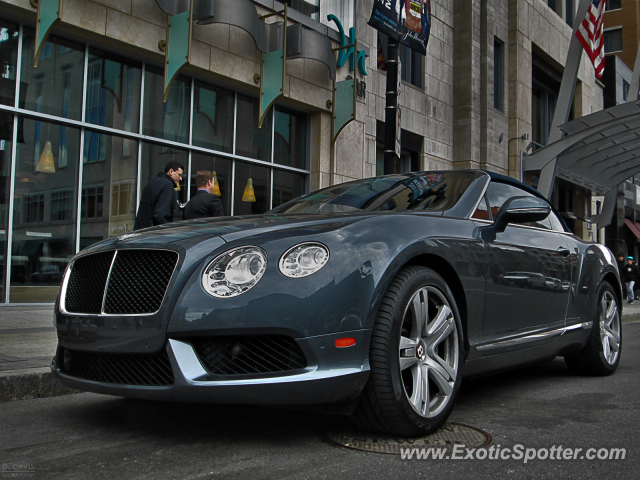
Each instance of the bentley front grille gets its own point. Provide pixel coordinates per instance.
(122, 282)
(249, 355)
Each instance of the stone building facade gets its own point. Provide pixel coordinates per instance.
(487, 82)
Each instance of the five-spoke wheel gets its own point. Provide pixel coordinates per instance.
(601, 355)
(429, 352)
(415, 356)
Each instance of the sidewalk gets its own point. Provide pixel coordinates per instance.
(28, 342)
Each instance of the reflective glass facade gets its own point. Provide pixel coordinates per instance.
(81, 135)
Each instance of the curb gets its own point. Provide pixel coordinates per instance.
(31, 385)
(632, 317)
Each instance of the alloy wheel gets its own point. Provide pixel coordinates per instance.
(429, 352)
(609, 328)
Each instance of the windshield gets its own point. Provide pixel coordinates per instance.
(424, 191)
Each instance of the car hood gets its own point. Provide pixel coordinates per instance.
(230, 229)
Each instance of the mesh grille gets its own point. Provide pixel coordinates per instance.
(249, 355)
(144, 370)
(138, 281)
(85, 287)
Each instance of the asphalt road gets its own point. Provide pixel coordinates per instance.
(92, 436)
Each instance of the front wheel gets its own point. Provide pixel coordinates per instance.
(601, 355)
(415, 357)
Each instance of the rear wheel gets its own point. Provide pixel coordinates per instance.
(415, 357)
(601, 355)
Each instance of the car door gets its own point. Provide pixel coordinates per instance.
(522, 261)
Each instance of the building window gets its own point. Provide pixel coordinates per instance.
(613, 5)
(66, 97)
(319, 9)
(555, 5)
(61, 205)
(613, 40)
(121, 199)
(410, 61)
(546, 86)
(92, 201)
(625, 90)
(498, 74)
(570, 12)
(410, 66)
(33, 207)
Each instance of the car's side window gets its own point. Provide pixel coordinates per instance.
(498, 193)
(482, 212)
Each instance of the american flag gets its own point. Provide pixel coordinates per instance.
(590, 35)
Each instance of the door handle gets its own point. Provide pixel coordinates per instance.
(565, 252)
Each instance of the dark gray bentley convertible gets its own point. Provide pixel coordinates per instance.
(371, 298)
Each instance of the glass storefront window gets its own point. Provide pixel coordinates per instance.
(252, 142)
(113, 91)
(53, 87)
(55, 213)
(8, 57)
(261, 179)
(287, 186)
(213, 117)
(222, 167)
(5, 172)
(290, 138)
(170, 119)
(154, 158)
(108, 204)
(44, 211)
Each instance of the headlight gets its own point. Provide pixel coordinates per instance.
(234, 272)
(304, 259)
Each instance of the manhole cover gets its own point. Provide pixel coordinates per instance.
(447, 436)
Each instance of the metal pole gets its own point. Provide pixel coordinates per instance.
(390, 117)
(565, 99)
(635, 80)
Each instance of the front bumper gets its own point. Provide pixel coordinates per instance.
(338, 381)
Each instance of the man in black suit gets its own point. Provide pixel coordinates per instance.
(158, 201)
(204, 203)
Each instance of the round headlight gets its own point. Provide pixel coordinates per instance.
(234, 272)
(304, 259)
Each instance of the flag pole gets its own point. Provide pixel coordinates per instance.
(565, 100)
(635, 80)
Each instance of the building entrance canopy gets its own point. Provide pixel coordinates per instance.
(599, 152)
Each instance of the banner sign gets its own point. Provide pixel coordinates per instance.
(408, 21)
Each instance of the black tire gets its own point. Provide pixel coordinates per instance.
(599, 357)
(388, 403)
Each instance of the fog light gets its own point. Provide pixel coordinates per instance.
(345, 342)
(66, 360)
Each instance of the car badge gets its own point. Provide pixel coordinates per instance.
(129, 235)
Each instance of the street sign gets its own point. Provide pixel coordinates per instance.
(408, 21)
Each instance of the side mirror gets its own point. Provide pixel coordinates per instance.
(521, 210)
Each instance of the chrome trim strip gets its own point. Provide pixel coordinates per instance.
(577, 326)
(484, 191)
(106, 283)
(187, 360)
(517, 225)
(63, 290)
(531, 337)
(534, 336)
